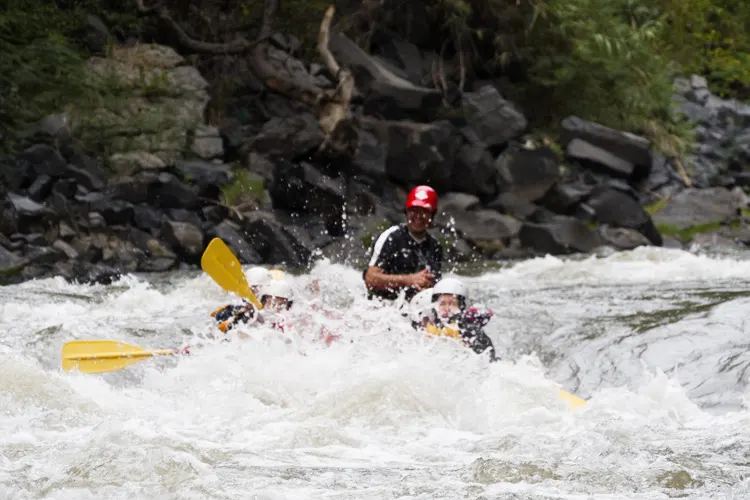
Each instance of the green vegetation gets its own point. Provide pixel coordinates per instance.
(244, 190)
(612, 61)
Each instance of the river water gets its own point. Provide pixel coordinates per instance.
(656, 339)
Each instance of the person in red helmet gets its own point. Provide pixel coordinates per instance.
(405, 257)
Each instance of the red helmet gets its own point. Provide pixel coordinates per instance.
(422, 196)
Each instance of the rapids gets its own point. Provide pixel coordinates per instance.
(656, 339)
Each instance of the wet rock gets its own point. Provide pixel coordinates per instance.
(493, 119)
(10, 264)
(148, 218)
(622, 238)
(45, 160)
(40, 188)
(15, 173)
(31, 213)
(371, 155)
(8, 213)
(564, 235)
(514, 205)
(135, 161)
(181, 215)
(41, 255)
(628, 147)
(290, 138)
(115, 212)
(207, 142)
(65, 248)
(208, 177)
(87, 172)
(423, 153)
(261, 165)
(599, 159)
(274, 243)
(406, 56)
(385, 94)
(699, 207)
(615, 208)
(527, 173)
(66, 232)
(483, 225)
(565, 198)
(170, 192)
(133, 189)
(233, 236)
(475, 172)
(185, 238)
(303, 188)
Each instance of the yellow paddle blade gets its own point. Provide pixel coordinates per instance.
(222, 265)
(575, 401)
(98, 356)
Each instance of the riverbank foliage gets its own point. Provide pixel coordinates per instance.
(612, 61)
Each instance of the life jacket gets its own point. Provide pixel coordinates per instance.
(450, 330)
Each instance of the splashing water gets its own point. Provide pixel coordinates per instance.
(655, 338)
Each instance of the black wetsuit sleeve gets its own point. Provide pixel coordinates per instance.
(235, 312)
(477, 340)
(383, 255)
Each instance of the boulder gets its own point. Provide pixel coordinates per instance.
(622, 238)
(289, 137)
(232, 235)
(185, 238)
(275, 244)
(170, 192)
(300, 187)
(493, 119)
(8, 213)
(599, 159)
(527, 173)
(618, 209)
(422, 153)
(209, 178)
(630, 148)
(31, 213)
(385, 94)
(564, 235)
(10, 265)
(475, 172)
(701, 207)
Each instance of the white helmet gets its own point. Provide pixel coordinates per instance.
(257, 276)
(420, 305)
(277, 288)
(450, 286)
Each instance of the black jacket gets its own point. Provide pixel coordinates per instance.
(397, 252)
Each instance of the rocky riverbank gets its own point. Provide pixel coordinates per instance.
(262, 182)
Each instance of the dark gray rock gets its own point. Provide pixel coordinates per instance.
(185, 238)
(493, 119)
(564, 235)
(233, 236)
(629, 147)
(385, 94)
(527, 173)
(275, 244)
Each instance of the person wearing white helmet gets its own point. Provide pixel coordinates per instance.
(276, 295)
(450, 316)
(229, 315)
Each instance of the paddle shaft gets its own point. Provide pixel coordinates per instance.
(114, 355)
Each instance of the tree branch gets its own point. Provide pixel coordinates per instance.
(332, 105)
(236, 47)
